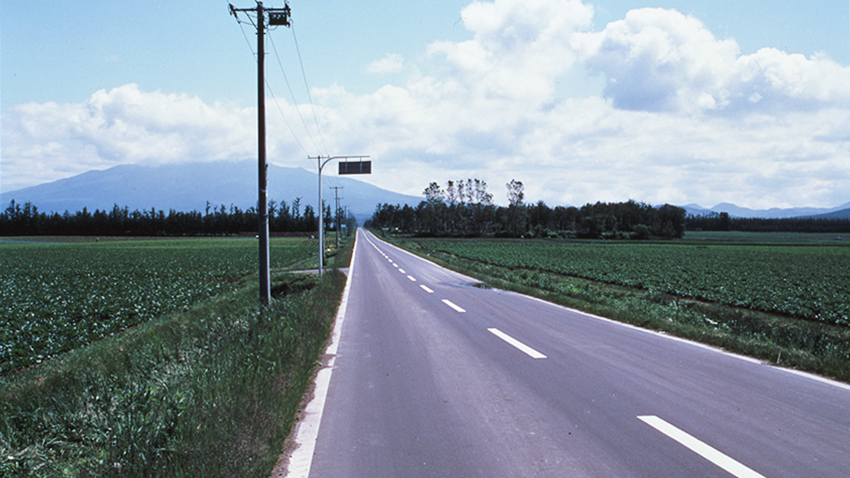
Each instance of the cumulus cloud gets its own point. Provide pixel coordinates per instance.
(684, 117)
(518, 48)
(119, 126)
(662, 60)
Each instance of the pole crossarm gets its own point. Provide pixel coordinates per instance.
(321, 207)
(276, 16)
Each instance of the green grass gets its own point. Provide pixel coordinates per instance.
(809, 282)
(211, 390)
(786, 238)
(784, 303)
(60, 296)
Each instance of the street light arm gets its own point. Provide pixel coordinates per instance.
(322, 164)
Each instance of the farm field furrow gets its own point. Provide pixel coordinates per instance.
(57, 297)
(810, 282)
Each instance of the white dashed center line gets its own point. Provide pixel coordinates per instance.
(426, 289)
(412, 279)
(453, 306)
(516, 343)
(728, 464)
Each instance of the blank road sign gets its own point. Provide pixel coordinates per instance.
(355, 167)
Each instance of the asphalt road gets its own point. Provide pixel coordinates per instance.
(433, 377)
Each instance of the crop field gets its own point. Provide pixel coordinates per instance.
(60, 296)
(805, 281)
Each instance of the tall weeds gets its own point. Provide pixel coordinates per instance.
(209, 392)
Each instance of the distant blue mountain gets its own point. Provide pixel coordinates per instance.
(842, 214)
(842, 211)
(188, 187)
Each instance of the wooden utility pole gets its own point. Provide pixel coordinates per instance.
(277, 16)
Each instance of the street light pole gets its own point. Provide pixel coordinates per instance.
(321, 206)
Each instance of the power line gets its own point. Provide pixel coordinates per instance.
(292, 94)
(294, 136)
(268, 85)
(307, 86)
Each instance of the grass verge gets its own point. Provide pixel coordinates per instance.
(794, 343)
(211, 392)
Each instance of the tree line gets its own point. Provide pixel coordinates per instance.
(723, 222)
(26, 219)
(465, 208)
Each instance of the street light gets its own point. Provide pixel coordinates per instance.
(366, 168)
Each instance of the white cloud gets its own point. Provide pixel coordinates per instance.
(518, 49)
(391, 63)
(120, 126)
(684, 118)
(661, 60)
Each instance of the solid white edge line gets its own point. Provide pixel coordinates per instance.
(307, 430)
(453, 305)
(426, 289)
(810, 376)
(516, 343)
(709, 453)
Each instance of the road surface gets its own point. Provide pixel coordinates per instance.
(433, 376)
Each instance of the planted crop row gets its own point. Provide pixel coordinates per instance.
(811, 282)
(54, 298)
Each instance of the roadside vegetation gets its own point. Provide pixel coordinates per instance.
(208, 387)
(781, 298)
(55, 297)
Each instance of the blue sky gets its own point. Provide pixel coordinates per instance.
(657, 101)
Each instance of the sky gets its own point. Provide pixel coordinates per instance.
(658, 101)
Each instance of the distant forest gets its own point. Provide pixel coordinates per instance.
(462, 208)
(465, 208)
(26, 219)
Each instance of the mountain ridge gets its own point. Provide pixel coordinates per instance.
(733, 210)
(191, 186)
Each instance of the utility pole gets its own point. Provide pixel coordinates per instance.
(277, 16)
(336, 211)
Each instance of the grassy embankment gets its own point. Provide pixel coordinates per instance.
(209, 391)
(799, 321)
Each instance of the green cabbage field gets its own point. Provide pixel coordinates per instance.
(805, 281)
(57, 297)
